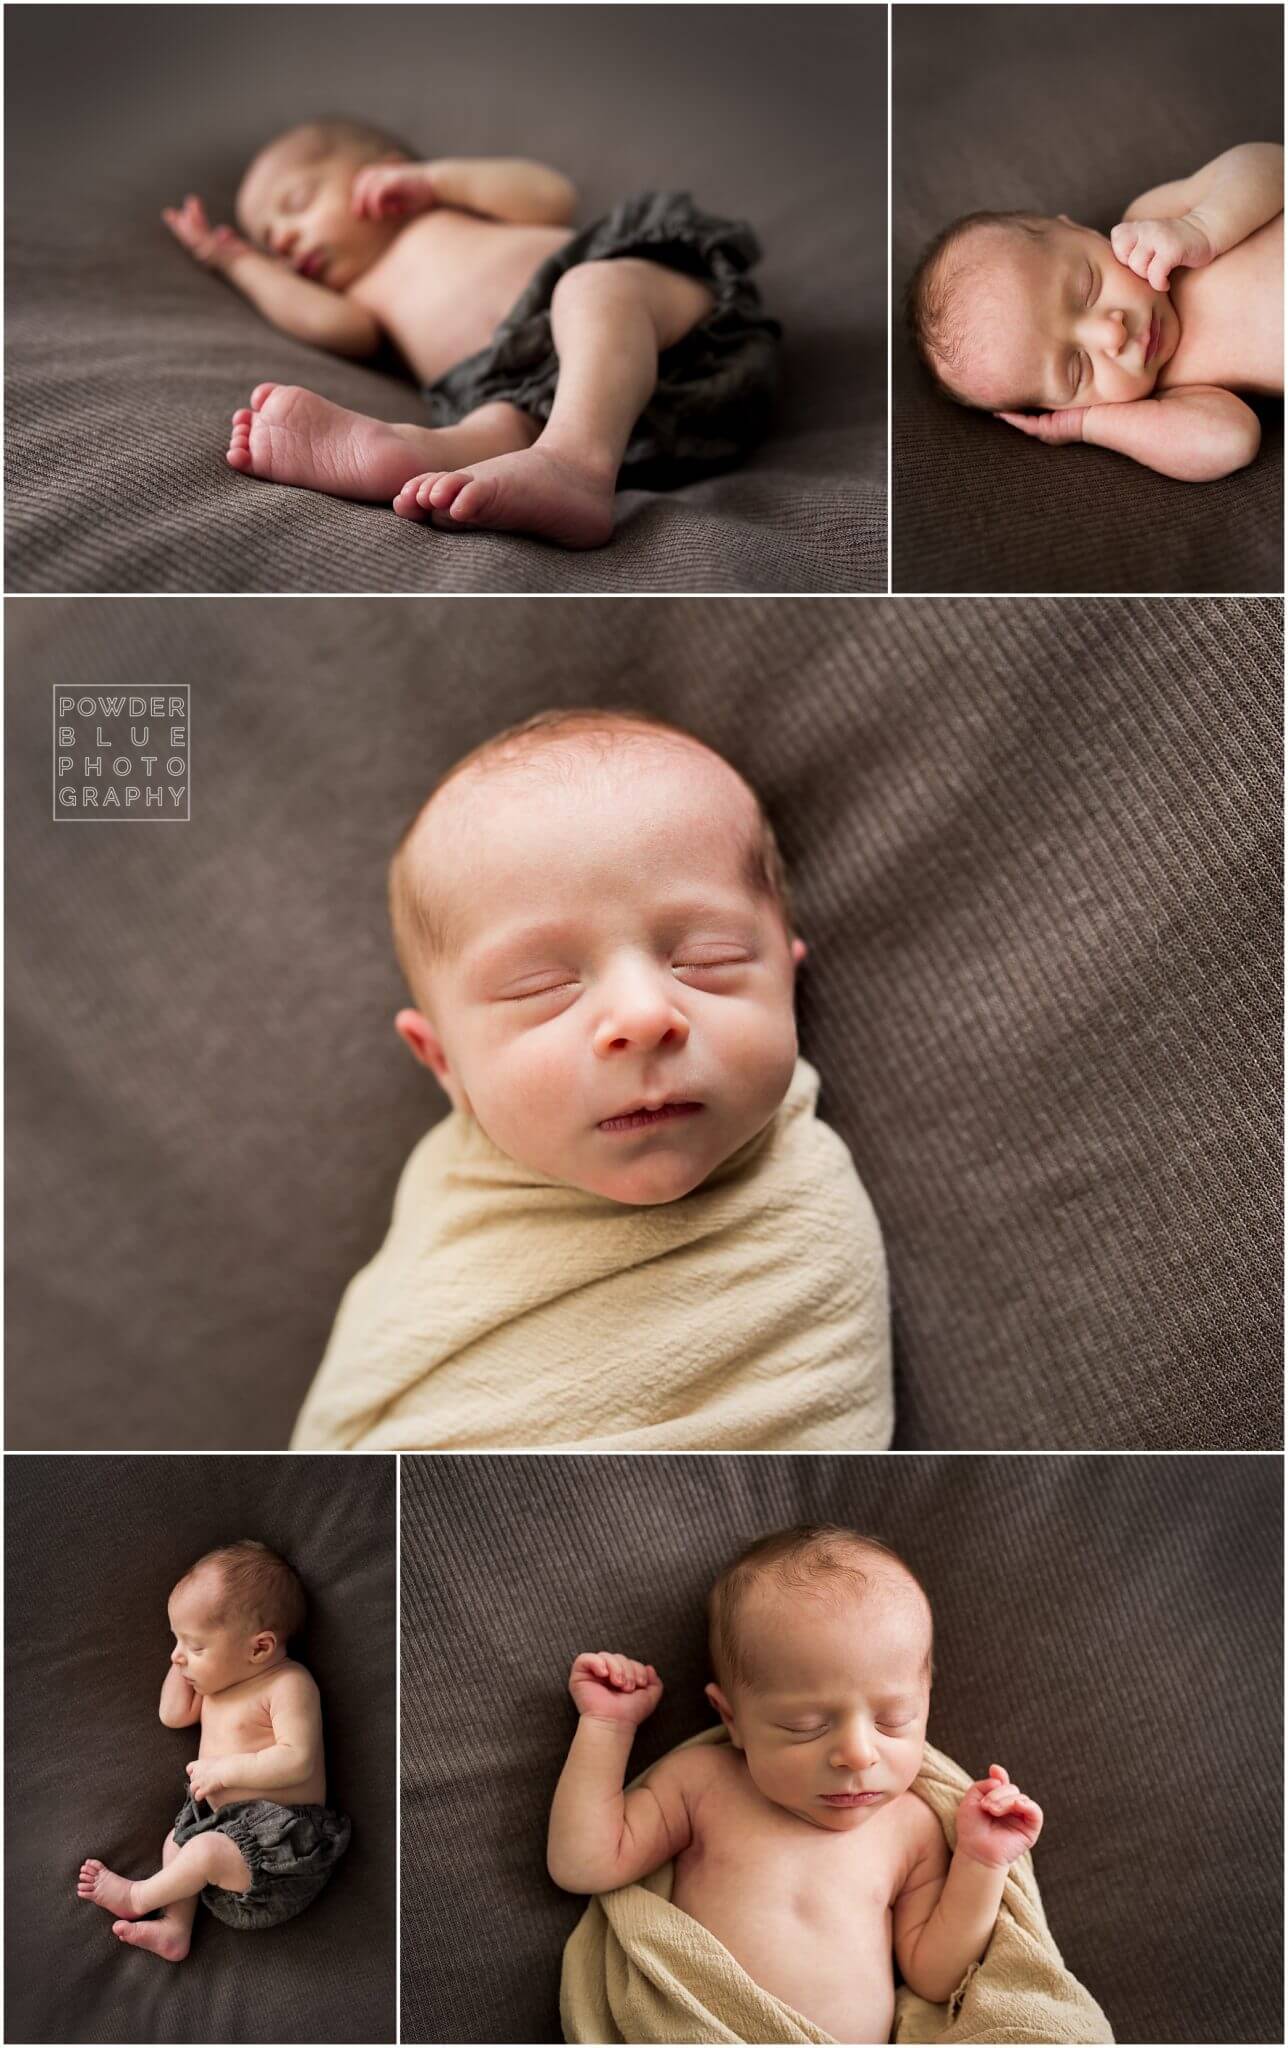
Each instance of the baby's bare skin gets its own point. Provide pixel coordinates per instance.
(801, 1847)
(347, 253)
(1139, 341)
(810, 1916)
(1232, 318)
(261, 1738)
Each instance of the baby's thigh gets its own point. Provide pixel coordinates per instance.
(225, 1865)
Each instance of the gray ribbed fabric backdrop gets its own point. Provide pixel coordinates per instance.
(1108, 1628)
(92, 1548)
(1068, 110)
(124, 361)
(1035, 852)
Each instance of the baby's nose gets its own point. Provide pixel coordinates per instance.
(1113, 332)
(641, 1019)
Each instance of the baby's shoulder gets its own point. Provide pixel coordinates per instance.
(290, 1681)
(697, 1771)
(918, 1832)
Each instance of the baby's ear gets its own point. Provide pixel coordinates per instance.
(725, 1711)
(799, 950)
(419, 1035)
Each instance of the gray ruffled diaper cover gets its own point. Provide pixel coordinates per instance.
(715, 387)
(290, 1850)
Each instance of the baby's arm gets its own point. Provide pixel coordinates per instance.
(295, 1711)
(945, 1915)
(294, 304)
(180, 1703)
(601, 1836)
(502, 188)
(1195, 433)
(1194, 220)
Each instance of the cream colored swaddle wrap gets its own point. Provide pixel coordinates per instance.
(506, 1310)
(635, 1968)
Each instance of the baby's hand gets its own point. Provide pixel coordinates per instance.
(391, 191)
(611, 1688)
(995, 1822)
(206, 1777)
(1055, 428)
(1155, 248)
(213, 247)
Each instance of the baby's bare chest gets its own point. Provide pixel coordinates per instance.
(236, 1724)
(448, 281)
(1231, 317)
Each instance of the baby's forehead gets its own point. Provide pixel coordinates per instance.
(998, 293)
(281, 158)
(884, 1606)
(563, 810)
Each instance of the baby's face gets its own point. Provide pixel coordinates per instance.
(296, 202)
(1058, 321)
(834, 1724)
(617, 1007)
(211, 1656)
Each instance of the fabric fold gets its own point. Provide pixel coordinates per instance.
(507, 1311)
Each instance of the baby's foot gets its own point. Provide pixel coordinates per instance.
(164, 1938)
(102, 1887)
(531, 491)
(288, 435)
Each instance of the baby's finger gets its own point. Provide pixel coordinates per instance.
(1123, 239)
(999, 1772)
(1159, 272)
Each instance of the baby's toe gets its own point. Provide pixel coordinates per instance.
(446, 489)
(260, 394)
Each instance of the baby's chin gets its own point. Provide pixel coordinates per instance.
(647, 1182)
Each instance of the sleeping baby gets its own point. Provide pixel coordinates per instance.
(551, 357)
(799, 1844)
(632, 1232)
(254, 1840)
(1137, 340)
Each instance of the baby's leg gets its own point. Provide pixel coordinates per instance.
(206, 1859)
(288, 435)
(611, 320)
(170, 1937)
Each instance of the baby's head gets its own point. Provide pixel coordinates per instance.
(232, 1614)
(1016, 312)
(821, 1643)
(296, 199)
(591, 914)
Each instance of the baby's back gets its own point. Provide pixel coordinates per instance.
(448, 280)
(1232, 317)
(806, 1912)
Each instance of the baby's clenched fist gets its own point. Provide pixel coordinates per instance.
(995, 1822)
(612, 1688)
(391, 191)
(1155, 248)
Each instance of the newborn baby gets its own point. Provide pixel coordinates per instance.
(800, 1844)
(1137, 341)
(538, 345)
(267, 1842)
(592, 916)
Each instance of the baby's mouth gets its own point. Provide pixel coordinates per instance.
(311, 265)
(642, 1118)
(849, 1798)
(1152, 339)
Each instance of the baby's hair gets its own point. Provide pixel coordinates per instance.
(813, 1557)
(257, 1588)
(419, 930)
(338, 131)
(932, 301)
